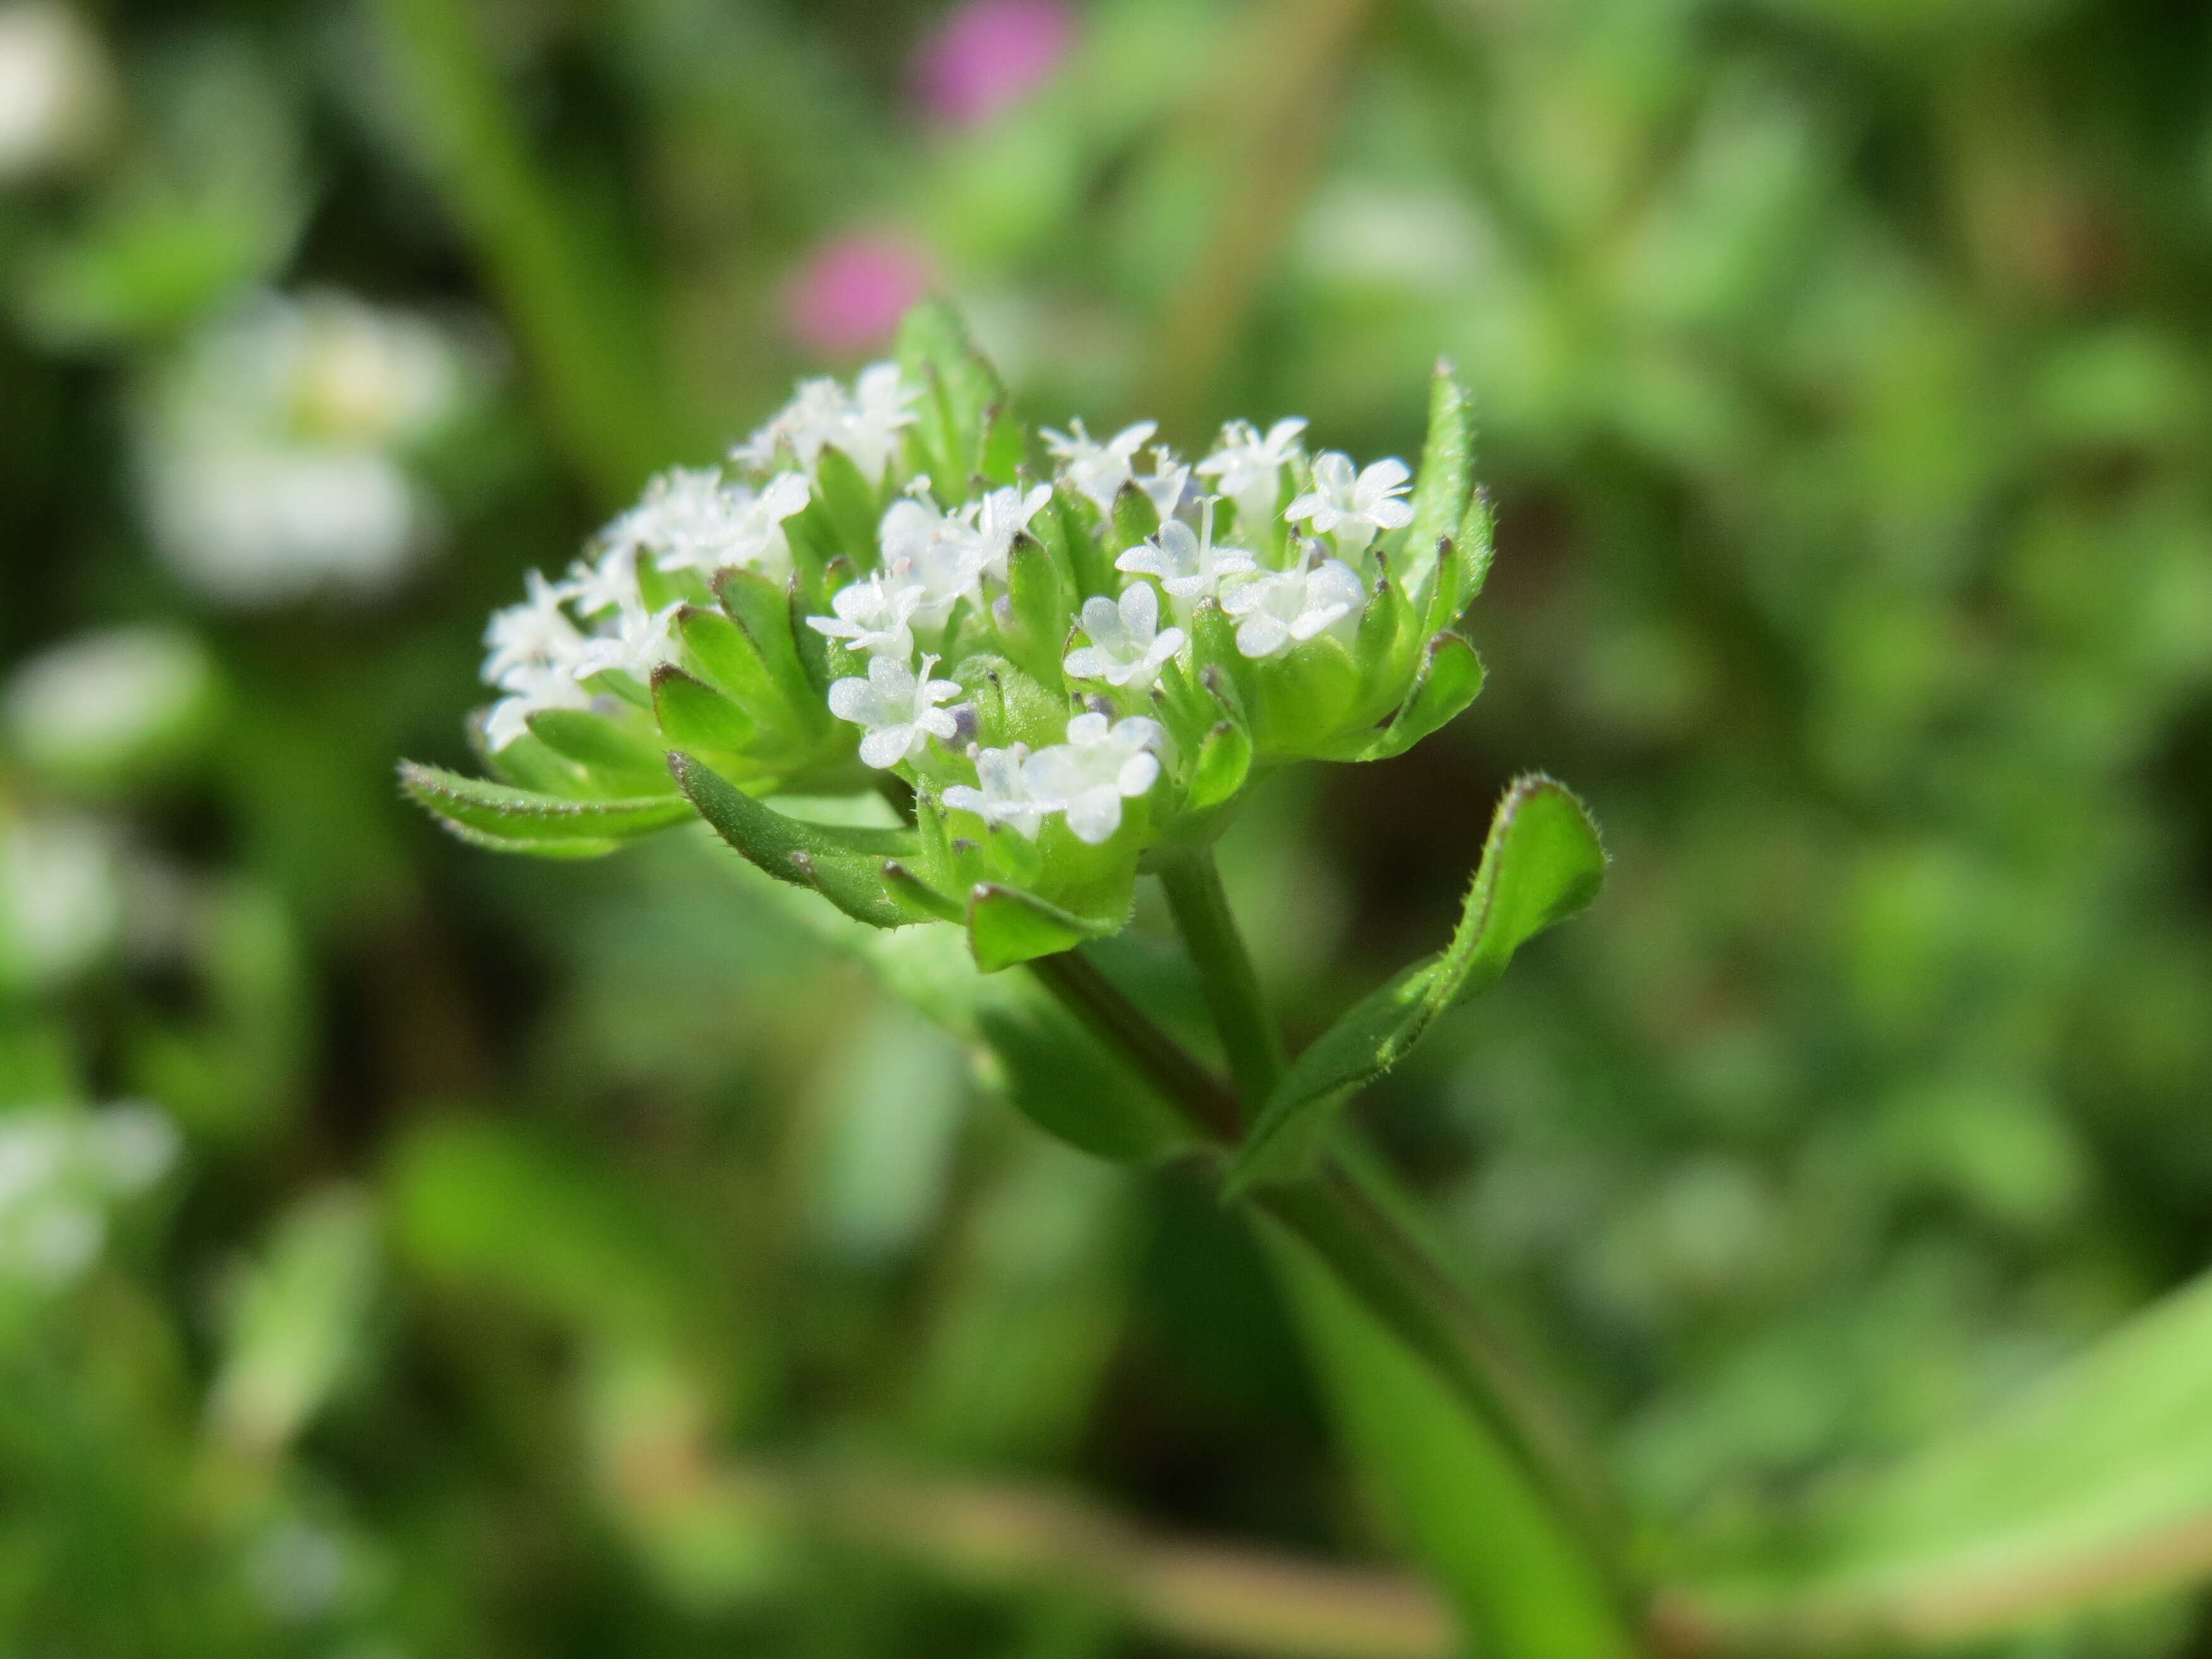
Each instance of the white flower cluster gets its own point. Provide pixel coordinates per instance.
(934, 560)
(274, 448)
(603, 617)
(59, 1173)
(943, 567)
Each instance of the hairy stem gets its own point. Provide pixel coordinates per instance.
(1255, 1047)
(1108, 1015)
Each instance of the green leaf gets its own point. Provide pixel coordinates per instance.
(1008, 925)
(506, 820)
(1542, 862)
(848, 500)
(762, 612)
(492, 1209)
(1446, 478)
(1039, 602)
(1518, 1579)
(959, 390)
(694, 715)
(1135, 521)
(2093, 1484)
(844, 866)
(614, 756)
(1225, 760)
(1450, 677)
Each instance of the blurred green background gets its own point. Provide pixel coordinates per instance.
(406, 1252)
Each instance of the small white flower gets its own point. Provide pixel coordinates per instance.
(865, 424)
(1242, 459)
(1127, 645)
(1004, 797)
(1099, 767)
(1169, 479)
(607, 583)
(536, 633)
(1249, 468)
(875, 615)
(531, 687)
(1293, 606)
(1000, 516)
(637, 644)
(1356, 509)
(922, 548)
(882, 404)
(898, 708)
(816, 413)
(1186, 563)
(690, 519)
(1096, 470)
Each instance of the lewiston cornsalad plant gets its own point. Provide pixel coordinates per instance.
(1064, 659)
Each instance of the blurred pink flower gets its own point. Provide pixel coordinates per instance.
(989, 54)
(851, 293)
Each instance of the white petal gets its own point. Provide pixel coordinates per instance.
(1140, 611)
(1384, 477)
(886, 747)
(1102, 621)
(1137, 774)
(1261, 635)
(1087, 662)
(856, 701)
(1088, 728)
(1095, 814)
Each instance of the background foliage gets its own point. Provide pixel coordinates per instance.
(591, 1260)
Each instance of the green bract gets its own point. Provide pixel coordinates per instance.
(1068, 662)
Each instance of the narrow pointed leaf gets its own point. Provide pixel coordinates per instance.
(1008, 925)
(613, 755)
(2089, 1485)
(959, 389)
(844, 866)
(848, 499)
(1224, 759)
(918, 896)
(1441, 489)
(1450, 678)
(1542, 862)
(694, 715)
(504, 819)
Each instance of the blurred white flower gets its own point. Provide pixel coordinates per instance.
(104, 700)
(1094, 469)
(61, 896)
(60, 1172)
(273, 448)
(57, 90)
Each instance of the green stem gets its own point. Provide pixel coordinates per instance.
(1255, 1047)
(1353, 1214)
(1123, 1027)
(553, 283)
(1352, 1217)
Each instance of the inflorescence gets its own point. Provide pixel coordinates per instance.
(1065, 670)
